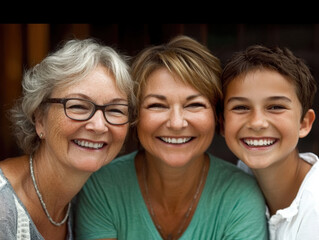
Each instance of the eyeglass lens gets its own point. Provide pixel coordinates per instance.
(79, 109)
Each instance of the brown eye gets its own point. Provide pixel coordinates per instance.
(240, 108)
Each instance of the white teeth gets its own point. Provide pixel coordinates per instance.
(259, 143)
(176, 140)
(88, 144)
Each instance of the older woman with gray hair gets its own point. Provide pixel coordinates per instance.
(64, 136)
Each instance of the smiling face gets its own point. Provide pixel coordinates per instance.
(262, 118)
(176, 122)
(84, 145)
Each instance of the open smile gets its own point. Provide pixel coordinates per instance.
(88, 144)
(176, 140)
(260, 142)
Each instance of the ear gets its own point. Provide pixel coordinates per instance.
(39, 122)
(306, 123)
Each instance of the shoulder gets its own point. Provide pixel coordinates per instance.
(3, 180)
(15, 171)
(229, 176)
(310, 158)
(6, 190)
(122, 163)
(226, 168)
(8, 208)
(312, 177)
(309, 188)
(8, 198)
(116, 172)
(306, 204)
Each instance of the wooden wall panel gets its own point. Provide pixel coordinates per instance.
(38, 43)
(11, 72)
(24, 45)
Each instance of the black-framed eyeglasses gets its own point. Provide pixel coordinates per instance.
(82, 110)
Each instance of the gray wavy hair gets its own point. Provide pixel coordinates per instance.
(72, 62)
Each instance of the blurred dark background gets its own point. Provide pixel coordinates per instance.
(24, 45)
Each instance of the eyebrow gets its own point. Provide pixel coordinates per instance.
(273, 98)
(162, 97)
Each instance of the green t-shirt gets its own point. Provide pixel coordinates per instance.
(111, 205)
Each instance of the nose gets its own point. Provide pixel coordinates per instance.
(257, 120)
(177, 119)
(97, 123)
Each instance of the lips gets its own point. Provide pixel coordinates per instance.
(260, 142)
(88, 144)
(176, 140)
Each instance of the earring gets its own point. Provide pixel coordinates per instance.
(41, 135)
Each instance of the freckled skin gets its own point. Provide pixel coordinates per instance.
(60, 131)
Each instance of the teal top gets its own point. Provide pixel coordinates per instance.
(111, 205)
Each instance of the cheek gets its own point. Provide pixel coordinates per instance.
(119, 133)
(58, 131)
(204, 123)
(62, 129)
(289, 129)
(118, 138)
(231, 122)
(209, 132)
(149, 122)
(230, 129)
(203, 126)
(56, 124)
(144, 130)
(287, 123)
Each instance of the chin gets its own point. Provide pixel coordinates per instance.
(89, 166)
(177, 161)
(257, 164)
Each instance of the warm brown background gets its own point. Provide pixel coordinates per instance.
(24, 45)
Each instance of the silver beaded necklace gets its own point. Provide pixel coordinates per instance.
(148, 200)
(42, 202)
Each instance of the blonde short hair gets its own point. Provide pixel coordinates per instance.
(190, 60)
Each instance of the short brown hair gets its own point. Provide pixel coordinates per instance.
(281, 60)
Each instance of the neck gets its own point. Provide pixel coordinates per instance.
(171, 203)
(54, 193)
(173, 185)
(280, 183)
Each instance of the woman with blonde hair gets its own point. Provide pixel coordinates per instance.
(172, 188)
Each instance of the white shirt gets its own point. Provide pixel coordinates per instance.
(299, 221)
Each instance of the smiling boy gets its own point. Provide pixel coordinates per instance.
(268, 93)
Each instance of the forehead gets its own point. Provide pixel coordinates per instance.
(261, 82)
(99, 82)
(261, 79)
(166, 82)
